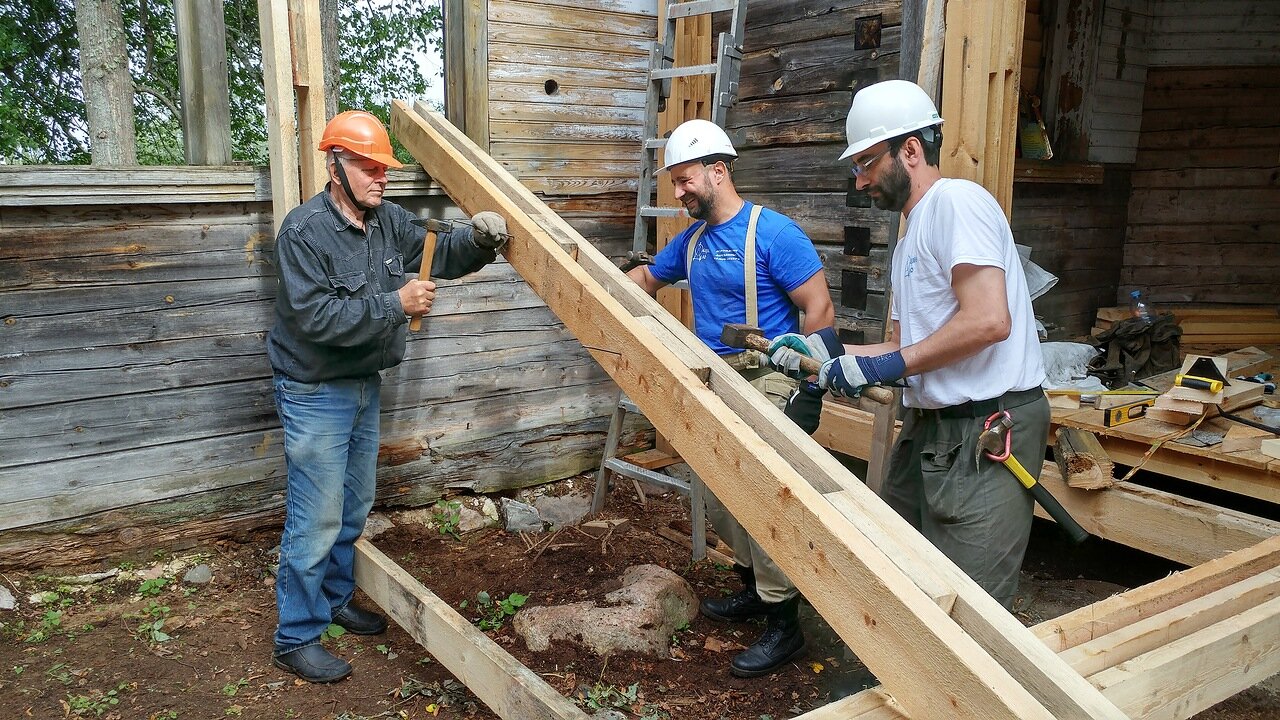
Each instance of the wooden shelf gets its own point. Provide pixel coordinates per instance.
(1046, 171)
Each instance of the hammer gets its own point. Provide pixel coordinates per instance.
(995, 442)
(741, 335)
(433, 227)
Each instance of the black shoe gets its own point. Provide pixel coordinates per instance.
(314, 664)
(740, 606)
(781, 642)
(359, 621)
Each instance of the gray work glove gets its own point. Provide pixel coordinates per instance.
(489, 230)
(785, 351)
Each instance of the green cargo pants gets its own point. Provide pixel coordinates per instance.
(979, 515)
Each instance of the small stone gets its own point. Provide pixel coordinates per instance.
(198, 575)
(521, 517)
(564, 510)
(7, 602)
(471, 520)
(489, 509)
(376, 524)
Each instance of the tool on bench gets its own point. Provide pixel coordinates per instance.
(741, 335)
(1198, 383)
(996, 442)
(1128, 412)
(433, 227)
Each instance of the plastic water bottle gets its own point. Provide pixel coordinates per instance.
(1139, 308)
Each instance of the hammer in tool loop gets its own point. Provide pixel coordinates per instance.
(996, 442)
(747, 337)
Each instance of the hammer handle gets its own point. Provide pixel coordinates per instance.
(810, 366)
(428, 253)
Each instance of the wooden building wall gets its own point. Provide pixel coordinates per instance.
(1205, 210)
(136, 398)
(566, 88)
(803, 62)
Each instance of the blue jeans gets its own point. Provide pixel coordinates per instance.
(331, 453)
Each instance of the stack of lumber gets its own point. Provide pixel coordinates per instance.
(1184, 405)
(1211, 325)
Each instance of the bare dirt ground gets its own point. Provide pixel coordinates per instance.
(164, 649)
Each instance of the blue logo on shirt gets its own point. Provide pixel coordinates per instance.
(911, 265)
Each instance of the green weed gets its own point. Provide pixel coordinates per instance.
(231, 688)
(494, 614)
(50, 624)
(446, 516)
(153, 587)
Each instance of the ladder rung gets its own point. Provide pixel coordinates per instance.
(626, 403)
(650, 211)
(709, 69)
(655, 143)
(626, 469)
(699, 7)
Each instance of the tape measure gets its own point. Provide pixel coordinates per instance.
(1198, 383)
(1122, 414)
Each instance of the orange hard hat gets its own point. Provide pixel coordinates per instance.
(361, 133)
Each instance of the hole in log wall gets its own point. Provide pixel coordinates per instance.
(855, 198)
(853, 289)
(857, 241)
(866, 32)
(551, 86)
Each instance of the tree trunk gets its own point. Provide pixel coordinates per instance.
(108, 88)
(329, 45)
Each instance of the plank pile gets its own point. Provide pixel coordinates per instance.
(1211, 325)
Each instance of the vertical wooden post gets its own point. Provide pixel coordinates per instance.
(308, 86)
(277, 63)
(466, 62)
(982, 64)
(202, 81)
(1071, 74)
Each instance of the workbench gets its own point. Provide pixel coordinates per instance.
(1246, 472)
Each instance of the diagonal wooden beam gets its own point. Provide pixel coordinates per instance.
(931, 662)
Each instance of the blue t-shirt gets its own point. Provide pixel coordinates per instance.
(785, 259)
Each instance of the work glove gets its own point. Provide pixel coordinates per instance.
(849, 374)
(489, 230)
(785, 350)
(804, 407)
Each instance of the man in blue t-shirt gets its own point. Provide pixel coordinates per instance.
(744, 263)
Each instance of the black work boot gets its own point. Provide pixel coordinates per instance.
(358, 621)
(740, 606)
(314, 664)
(781, 641)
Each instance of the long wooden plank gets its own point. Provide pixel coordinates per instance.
(929, 663)
(273, 18)
(510, 689)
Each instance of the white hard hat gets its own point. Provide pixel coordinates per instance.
(694, 140)
(886, 110)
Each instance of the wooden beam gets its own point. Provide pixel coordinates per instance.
(1220, 654)
(934, 664)
(277, 64)
(202, 81)
(308, 86)
(509, 689)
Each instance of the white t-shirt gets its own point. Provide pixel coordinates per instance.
(958, 222)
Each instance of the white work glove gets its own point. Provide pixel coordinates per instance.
(786, 350)
(489, 230)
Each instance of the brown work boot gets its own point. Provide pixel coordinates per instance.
(740, 606)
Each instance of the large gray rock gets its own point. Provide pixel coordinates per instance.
(198, 575)
(641, 616)
(564, 510)
(521, 517)
(376, 524)
(7, 601)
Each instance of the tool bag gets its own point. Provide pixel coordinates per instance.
(1133, 349)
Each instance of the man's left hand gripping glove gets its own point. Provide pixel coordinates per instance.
(786, 350)
(849, 374)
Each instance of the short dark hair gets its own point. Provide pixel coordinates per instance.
(930, 139)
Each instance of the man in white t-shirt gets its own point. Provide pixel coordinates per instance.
(964, 341)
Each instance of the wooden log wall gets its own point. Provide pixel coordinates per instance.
(567, 82)
(1205, 208)
(803, 62)
(136, 392)
(1076, 231)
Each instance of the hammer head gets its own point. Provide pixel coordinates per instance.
(735, 335)
(993, 440)
(433, 225)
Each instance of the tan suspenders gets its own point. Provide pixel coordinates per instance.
(748, 264)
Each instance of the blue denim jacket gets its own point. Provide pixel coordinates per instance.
(338, 314)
